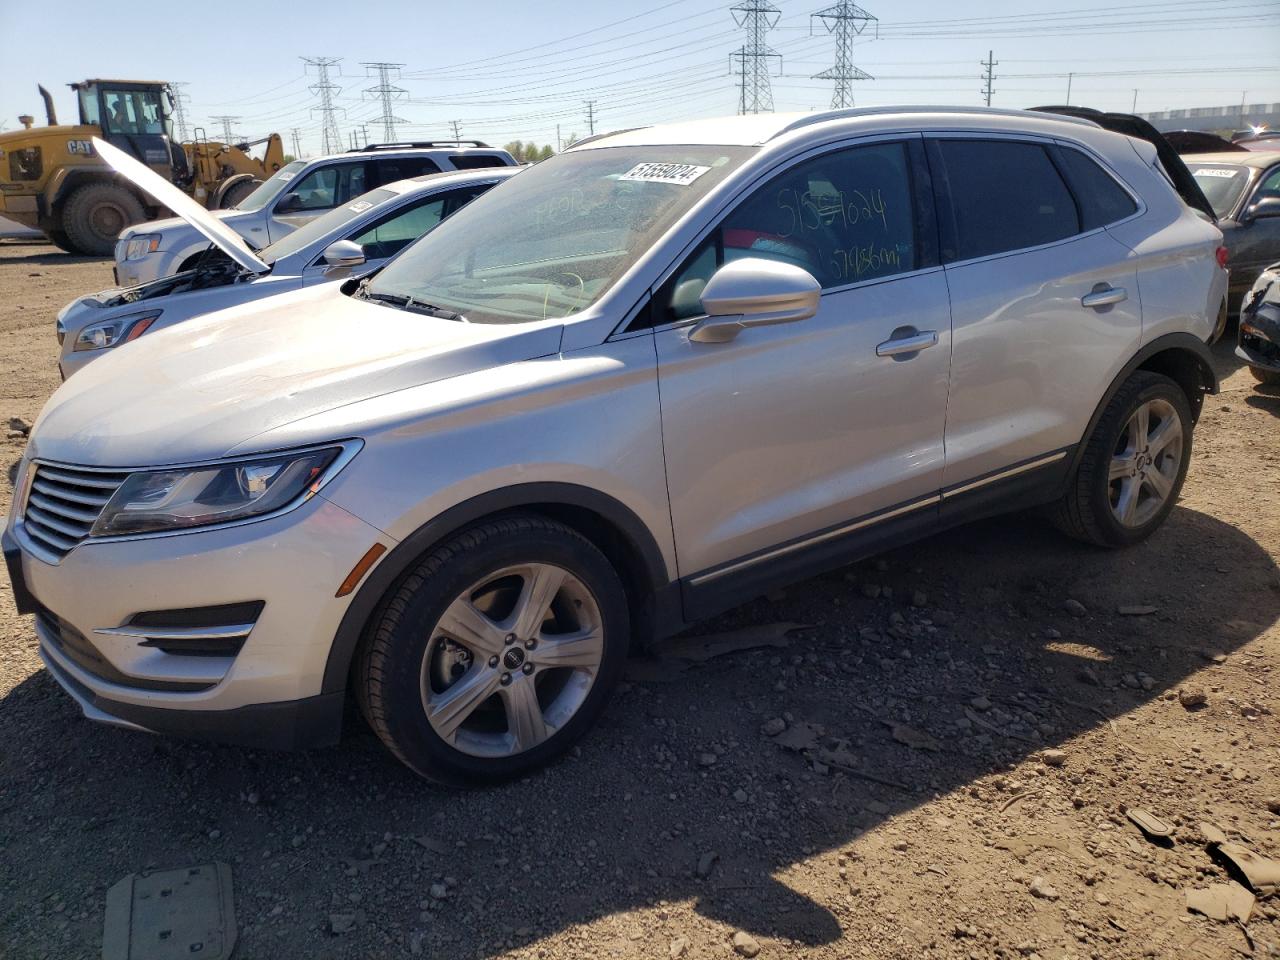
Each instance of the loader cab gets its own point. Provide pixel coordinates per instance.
(135, 116)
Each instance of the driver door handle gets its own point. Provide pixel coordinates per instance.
(1104, 297)
(912, 343)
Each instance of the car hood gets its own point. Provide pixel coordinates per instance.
(167, 195)
(197, 390)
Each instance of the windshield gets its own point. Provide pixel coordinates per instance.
(553, 240)
(1222, 184)
(314, 230)
(268, 189)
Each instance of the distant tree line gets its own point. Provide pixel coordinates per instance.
(529, 152)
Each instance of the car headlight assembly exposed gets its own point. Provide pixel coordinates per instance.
(112, 333)
(136, 248)
(155, 501)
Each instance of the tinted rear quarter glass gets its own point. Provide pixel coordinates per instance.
(476, 161)
(1101, 199)
(1004, 196)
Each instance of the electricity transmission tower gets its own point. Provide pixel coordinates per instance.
(757, 17)
(846, 20)
(386, 92)
(591, 118)
(457, 130)
(325, 89)
(297, 142)
(227, 135)
(989, 75)
(179, 110)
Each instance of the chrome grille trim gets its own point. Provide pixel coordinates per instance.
(64, 503)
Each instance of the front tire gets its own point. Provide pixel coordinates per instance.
(94, 215)
(495, 653)
(1133, 466)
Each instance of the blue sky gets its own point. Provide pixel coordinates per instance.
(508, 70)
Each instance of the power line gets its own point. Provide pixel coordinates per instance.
(386, 92)
(989, 75)
(757, 17)
(325, 89)
(846, 20)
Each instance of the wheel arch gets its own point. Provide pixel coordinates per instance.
(652, 593)
(1182, 357)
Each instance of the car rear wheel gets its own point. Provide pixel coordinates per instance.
(1133, 465)
(496, 653)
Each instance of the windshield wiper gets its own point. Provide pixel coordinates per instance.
(405, 302)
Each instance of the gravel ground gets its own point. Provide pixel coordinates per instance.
(908, 807)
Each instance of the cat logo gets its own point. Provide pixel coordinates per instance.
(83, 148)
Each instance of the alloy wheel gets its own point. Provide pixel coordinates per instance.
(512, 660)
(1145, 463)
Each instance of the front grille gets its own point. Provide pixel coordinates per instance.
(64, 503)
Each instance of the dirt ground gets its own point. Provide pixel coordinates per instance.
(924, 819)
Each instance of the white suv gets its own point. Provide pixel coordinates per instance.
(298, 192)
(637, 384)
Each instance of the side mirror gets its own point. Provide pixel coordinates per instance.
(344, 253)
(290, 201)
(1262, 210)
(754, 292)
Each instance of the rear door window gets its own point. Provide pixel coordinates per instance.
(391, 169)
(328, 186)
(1100, 198)
(1004, 195)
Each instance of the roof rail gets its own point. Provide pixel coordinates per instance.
(373, 147)
(825, 115)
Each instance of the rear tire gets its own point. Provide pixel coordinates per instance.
(237, 192)
(95, 214)
(1270, 377)
(1133, 466)
(495, 653)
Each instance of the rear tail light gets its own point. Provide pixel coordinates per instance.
(1222, 257)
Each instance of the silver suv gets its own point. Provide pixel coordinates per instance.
(297, 193)
(637, 384)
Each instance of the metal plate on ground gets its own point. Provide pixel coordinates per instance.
(170, 914)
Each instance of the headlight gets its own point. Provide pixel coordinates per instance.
(218, 493)
(112, 333)
(136, 248)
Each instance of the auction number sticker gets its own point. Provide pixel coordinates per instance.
(1224, 172)
(681, 174)
(360, 206)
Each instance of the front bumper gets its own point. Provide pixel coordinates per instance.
(269, 692)
(1259, 339)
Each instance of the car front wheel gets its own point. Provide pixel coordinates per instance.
(1133, 465)
(496, 653)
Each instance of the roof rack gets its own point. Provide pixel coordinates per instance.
(373, 147)
(824, 115)
(600, 136)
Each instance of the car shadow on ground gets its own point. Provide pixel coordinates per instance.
(678, 769)
(44, 253)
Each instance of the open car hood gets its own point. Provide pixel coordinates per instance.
(166, 194)
(1134, 126)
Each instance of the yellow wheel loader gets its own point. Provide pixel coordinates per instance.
(51, 179)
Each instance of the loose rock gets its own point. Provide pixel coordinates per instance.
(1041, 890)
(1192, 698)
(1074, 607)
(745, 945)
(1054, 758)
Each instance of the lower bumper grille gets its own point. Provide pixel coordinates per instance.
(72, 644)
